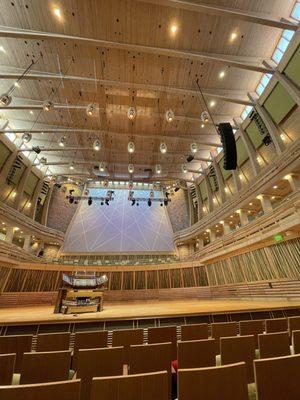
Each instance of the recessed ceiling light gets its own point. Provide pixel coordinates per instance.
(173, 28)
(250, 204)
(17, 85)
(221, 74)
(212, 103)
(2, 49)
(275, 187)
(273, 197)
(233, 36)
(57, 12)
(31, 112)
(202, 126)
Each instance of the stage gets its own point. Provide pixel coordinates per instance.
(142, 309)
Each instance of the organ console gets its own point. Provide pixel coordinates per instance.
(80, 294)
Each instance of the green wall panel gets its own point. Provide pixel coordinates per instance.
(279, 103)
(242, 154)
(4, 153)
(292, 70)
(203, 191)
(254, 134)
(31, 184)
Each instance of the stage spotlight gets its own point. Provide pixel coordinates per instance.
(163, 148)
(204, 117)
(149, 203)
(137, 204)
(131, 113)
(167, 195)
(267, 140)
(102, 203)
(71, 191)
(161, 204)
(5, 100)
(102, 167)
(190, 158)
(130, 147)
(107, 202)
(97, 145)
(26, 137)
(194, 147)
(158, 169)
(133, 202)
(36, 149)
(165, 202)
(48, 106)
(169, 115)
(90, 201)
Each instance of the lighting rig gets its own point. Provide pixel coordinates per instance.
(103, 200)
(151, 199)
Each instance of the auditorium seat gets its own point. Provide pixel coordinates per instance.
(151, 386)
(88, 340)
(53, 341)
(274, 344)
(215, 383)
(164, 334)
(7, 365)
(223, 329)
(126, 338)
(68, 390)
(194, 332)
(278, 378)
(296, 341)
(17, 344)
(196, 353)
(95, 363)
(276, 325)
(52, 366)
(252, 327)
(293, 324)
(239, 349)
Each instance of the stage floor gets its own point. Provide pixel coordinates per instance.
(145, 309)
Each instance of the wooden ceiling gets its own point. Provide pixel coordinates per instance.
(135, 60)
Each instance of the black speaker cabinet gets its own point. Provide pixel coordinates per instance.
(229, 145)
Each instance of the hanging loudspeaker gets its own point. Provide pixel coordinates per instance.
(229, 145)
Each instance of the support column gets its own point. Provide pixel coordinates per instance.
(273, 129)
(265, 203)
(243, 217)
(200, 242)
(212, 236)
(251, 151)
(27, 243)
(220, 180)
(45, 211)
(294, 181)
(21, 186)
(236, 181)
(289, 86)
(9, 234)
(40, 247)
(35, 196)
(226, 228)
(209, 193)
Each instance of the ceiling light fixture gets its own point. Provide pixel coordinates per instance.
(173, 29)
(97, 145)
(26, 137)
(158, 168)
(91, 110)
(5, 99)
(62, 142)
(131, 168)
(163, 148)
(130, 147)
(204, 117)
(17, 85)
(48, 106)
(169, 115)
(184, 168)
(131, 113)
(212, 103)
(2, 49)
(233, 36)
(102, 167)
(221, 74)
(72, 165)
(194, 147)
(57, 12)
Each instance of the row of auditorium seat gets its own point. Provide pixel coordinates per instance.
(100, 377)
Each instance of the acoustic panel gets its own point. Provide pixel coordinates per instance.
(119, 227)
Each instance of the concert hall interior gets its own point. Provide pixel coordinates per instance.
(149, 199)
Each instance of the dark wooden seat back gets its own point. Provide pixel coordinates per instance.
(196, 353)
(7, 366)
(164, 334)
(293, 324)
(126, 338)
(69, 390)
(274, 344)
(296, 341)
(52, 366)
(88, 340)
(223, 329)
(276, 325)
(53, 341)
(194, 332)
(278, 378)
(17, 344)
(227, 383)
(252, 327)
(239, 349)
(148, 386)
(95, 363)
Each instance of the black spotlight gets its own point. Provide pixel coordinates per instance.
(165, 202)
(149, 203)
(90, 201)
(137, 204)
(36, 149)
(71, 191)
(267, 140)
(102, 203)
(58, 185)
(71, 199)
(167, 195)
(161, 204)
(176, 189)
(133, 202)
(107, 202)
(190, 158)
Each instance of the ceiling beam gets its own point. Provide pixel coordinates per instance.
(211, 93)
(106, 150)
(250, 16)
(246, 63)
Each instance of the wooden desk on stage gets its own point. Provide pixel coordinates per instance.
(80, 295)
